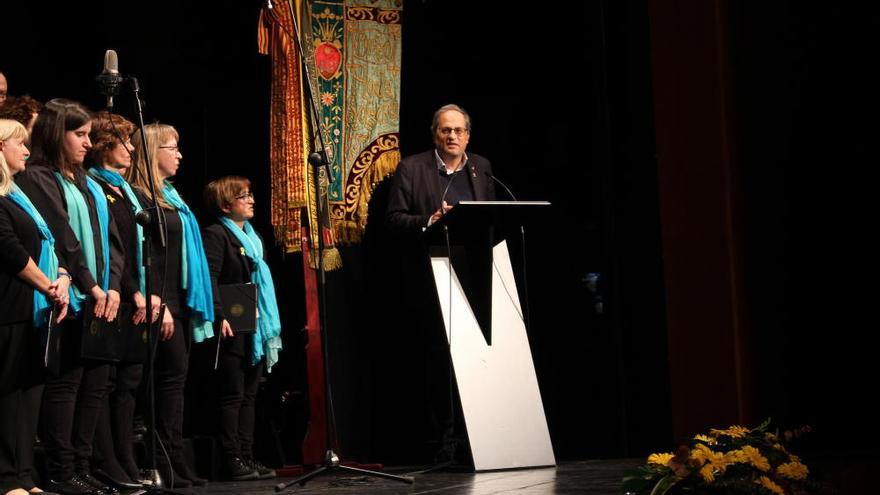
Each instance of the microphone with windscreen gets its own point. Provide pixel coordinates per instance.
(109, 80)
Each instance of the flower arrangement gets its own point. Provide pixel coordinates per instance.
(732, 461)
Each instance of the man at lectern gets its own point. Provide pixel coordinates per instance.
(428, 184)
(424, 187)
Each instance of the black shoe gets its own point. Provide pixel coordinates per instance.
(171, 478)
(239, 470)
(65, 487)
(43, 492)
(116, 482)
(96, 484)
(263, 472)
(131, 470)
(183, 469)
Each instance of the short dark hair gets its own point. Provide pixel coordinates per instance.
(221, 193)
(20, 108)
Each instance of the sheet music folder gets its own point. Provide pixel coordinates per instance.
(240, 306)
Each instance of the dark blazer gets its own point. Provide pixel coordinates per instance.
(417, 189)
(228, 265)
(226, 261)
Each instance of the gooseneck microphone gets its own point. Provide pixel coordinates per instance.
(109, 80)
(489, 175)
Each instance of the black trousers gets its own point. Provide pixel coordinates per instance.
(72, 403)
(238, 383)
(172, 361)
(21, 390)
(114, 451)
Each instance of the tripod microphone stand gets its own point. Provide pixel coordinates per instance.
(319, 160)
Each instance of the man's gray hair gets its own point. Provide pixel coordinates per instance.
(446, 108)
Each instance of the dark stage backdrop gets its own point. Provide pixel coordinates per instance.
(561, 102)
(561, 105)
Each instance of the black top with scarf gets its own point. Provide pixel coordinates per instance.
(38, 182)
(166, 266)
(19, 242)
(228, 264)
(122, 212)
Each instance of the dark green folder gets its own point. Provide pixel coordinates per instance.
(239, 307)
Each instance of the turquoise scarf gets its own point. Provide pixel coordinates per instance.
(267, 338)
(114, 179)
(78, 212)
(194, 274)
(48, 259)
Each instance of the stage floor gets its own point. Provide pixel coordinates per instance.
(602, 477)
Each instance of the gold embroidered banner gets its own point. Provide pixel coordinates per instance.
(352, 49)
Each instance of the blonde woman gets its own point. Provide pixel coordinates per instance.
(31, 281)
(186, 294)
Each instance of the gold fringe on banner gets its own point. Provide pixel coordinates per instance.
(372, 166)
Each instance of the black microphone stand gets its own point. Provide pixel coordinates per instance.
(148, 218)
(319, 160)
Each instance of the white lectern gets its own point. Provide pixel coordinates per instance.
(491, 357)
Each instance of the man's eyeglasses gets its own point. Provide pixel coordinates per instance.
(247, 195)
(459, 131)
(174, 149)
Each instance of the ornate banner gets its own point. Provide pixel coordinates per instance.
(352, 48)
(372, 118)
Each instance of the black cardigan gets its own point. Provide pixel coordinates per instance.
(226, 261)
(39, 184)
(19, 242)
(122, 212)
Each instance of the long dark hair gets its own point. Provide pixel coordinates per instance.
(47, 138)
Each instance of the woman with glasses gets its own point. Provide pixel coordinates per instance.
(109, 159)
(236, 256)
(31, 282)
(184, 284)
(87, 242)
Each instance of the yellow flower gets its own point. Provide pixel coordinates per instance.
(705, 439)
(793, 470)
(771, 437)
(707, 473)
(733, 431)
(779, 447)
(660, 459)
(754, 457)
(713, 462)
(770, 485)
